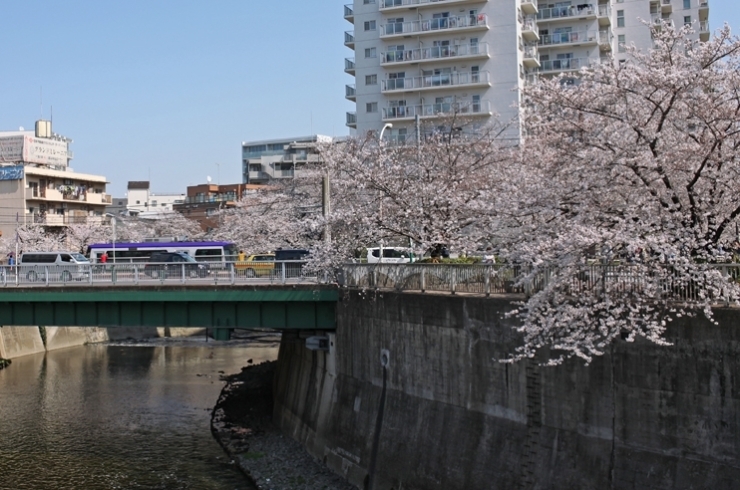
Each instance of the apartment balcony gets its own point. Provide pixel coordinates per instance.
(349, 92)
(53, 219)
(551, 67)
(530, 56)
(529, 7)
(352, 119)
(657, 21)
(605, 15)
(349, 39)
(43, 194)
(349, 13)
(436, 82)
(53, 195)
(302, 158)
(605, 40)
(434, 54)
(531, 77)
(573, 12)
(578, 38)
(430, 111)
(349, 65)
(704, 31)
(666, 6)
(529, 29)
(463, 23)
(405, 5)
(703, 10)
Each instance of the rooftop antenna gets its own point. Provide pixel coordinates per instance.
(311, 122)
(41, 101)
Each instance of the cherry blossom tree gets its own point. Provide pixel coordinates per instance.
(637, 163)
(78, 236)
(173, 224)
(440, 190)
(285, 216)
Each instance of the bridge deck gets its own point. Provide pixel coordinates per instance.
(308, 306)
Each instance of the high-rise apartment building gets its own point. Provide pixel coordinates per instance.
(426, 58)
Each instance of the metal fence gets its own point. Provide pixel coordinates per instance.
(502, 278)
(153, 274)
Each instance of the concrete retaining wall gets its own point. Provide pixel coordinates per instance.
(22, 341)
(444, 414)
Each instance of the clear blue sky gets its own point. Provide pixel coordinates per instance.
(166, 90)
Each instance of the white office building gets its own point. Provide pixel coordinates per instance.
(144, 203)
(426, 58)
(284, 158)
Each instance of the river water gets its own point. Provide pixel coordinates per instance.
(119, 416)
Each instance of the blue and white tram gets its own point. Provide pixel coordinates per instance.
(139, 252)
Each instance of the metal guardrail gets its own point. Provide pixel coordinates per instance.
(153, 274)
(502, 278)
(484, 279)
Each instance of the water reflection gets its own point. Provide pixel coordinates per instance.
(117, 416)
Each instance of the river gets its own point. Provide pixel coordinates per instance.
(119, 416)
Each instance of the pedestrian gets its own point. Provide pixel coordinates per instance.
(488, 257)
(242, 256)
(104, 258)
(11, 259)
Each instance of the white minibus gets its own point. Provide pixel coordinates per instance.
(64, 266)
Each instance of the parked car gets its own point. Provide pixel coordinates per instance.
(256, 265)
(391, 255)
(296, 256)
(171, 264)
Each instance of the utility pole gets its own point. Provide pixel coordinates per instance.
(326, 205)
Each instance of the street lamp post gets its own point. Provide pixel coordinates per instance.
(380, 142)
(386, 126)
(113, 222)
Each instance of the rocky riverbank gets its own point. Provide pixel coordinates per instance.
(242, 423)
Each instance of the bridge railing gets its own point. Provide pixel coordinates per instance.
(153, 274)
(504, 278)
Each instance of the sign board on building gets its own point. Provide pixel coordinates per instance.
(30, 149)
(11, 149)
(11, 173)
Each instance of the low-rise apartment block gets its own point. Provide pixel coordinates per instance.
(38, 186)
(203, 202)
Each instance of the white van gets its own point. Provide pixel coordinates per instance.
(391, 255)
(51, 266)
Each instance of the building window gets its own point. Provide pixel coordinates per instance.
(620, 18)
(370, 25)
(370, 53)
(687, 20)
(371, 107)
(621, 43)
(687, 4)
(371, 79)
(367, 2)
